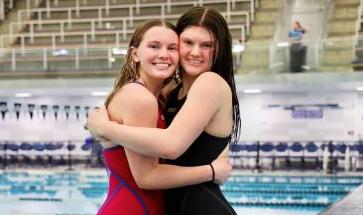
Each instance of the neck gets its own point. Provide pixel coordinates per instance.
(187, 82)
(153, 85)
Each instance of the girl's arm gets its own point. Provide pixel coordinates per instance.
(141, 110)
(149, 174)
(207, 94)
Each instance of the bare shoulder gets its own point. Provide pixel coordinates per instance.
(212, 82)
(133, 97)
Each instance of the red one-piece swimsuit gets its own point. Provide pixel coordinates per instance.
(124, 197)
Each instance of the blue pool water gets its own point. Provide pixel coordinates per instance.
(287, 194)
(83, 192)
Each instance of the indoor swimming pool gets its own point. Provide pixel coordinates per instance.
(44, 192)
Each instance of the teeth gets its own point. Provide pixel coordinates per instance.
(162, 65)
(196, 62)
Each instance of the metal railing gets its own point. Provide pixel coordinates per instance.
(2, 10)
(86, 37)
(357, 27)
(332, 54)
(64, 59)
(102, 21)
(3, 5)
(105, 10)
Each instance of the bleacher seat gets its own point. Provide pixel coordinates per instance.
(267, 157)
(281, 153)
(312, 152)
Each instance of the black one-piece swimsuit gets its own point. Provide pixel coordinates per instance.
(200, 199)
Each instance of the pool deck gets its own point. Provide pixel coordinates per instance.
(350, 205)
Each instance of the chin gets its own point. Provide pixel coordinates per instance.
(163, 76)
(194, 72)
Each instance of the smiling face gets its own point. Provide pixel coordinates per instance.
(196, 49)
(157, 54)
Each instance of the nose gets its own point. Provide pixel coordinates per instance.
(195, 50)
(163, 53)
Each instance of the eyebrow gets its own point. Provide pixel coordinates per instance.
(158, 42)
(174, 44)
(155, 41)
(205, 41)
(152, 41)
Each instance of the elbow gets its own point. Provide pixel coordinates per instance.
(168, 146)
(142, 183)
(171, 152)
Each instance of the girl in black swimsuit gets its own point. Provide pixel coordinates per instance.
(205, 198)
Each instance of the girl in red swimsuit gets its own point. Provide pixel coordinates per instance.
(124, 196)
(135, 180)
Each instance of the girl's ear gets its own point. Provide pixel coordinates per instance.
(134, 54)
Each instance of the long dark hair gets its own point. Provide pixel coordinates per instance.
(130, 70)
(214, 22)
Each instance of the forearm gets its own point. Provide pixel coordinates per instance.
(152, 142)
(224, 153)
(165, 176)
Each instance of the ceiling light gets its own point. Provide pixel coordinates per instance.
(119, 51)
(283, 44)
(112, 59)
(61, 52)
(99, 93)
(22, 95)
(238, 48)
(251, 91)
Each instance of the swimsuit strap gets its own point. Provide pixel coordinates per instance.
(138, 82)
